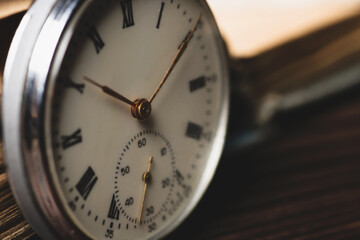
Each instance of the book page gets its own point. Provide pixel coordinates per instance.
(250, 27)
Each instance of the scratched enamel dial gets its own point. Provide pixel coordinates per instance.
(119, 176)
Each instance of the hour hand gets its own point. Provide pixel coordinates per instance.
(140, 108)
(110, 92)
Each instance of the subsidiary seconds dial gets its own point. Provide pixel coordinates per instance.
(144, 178)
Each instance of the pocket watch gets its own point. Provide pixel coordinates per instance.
(115, 111)
(114, 115)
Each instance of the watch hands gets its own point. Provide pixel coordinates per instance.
(177, 58)
(110, 92)
(141, 108)
(147, 179)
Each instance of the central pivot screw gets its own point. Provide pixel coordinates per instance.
(142, 109)
(147, 177)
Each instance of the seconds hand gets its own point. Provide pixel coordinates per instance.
(147, 179)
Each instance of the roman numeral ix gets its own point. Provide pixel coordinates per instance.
(71, 84)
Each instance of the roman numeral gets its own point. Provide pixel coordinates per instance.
(86, 183)
(127, 10)
(197, 84)
(160, 15)
(194, 131)
(187, 35)
(71, 84)
(114, 212)
(97, 40)
(73, 139)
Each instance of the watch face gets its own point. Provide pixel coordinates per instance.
(129, 159)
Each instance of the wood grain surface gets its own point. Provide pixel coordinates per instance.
(12, 223)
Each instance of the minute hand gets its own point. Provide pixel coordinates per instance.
(177, 58)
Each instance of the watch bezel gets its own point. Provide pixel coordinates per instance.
(24, 146)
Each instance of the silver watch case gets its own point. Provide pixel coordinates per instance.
(22, 101)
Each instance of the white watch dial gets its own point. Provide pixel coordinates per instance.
(117, 176)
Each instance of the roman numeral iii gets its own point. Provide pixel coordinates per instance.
(197, 84)
(194, 131)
